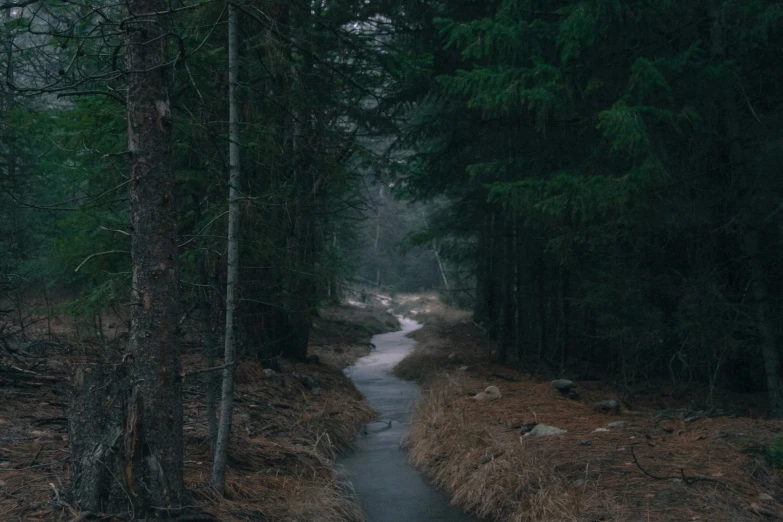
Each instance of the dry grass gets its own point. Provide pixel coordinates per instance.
(284, 440)
(341, 334)
(427, 308)
(492, 472)
(473, 449)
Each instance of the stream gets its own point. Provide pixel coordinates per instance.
(388, 488)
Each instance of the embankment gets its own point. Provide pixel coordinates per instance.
(680, 463)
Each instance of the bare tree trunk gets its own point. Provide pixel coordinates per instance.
(749, 223)
(126, 425)
(209, 347)
(227, 397)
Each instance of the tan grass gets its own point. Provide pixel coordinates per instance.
(473, 450)
(494, 474)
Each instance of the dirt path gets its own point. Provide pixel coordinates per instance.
(389, 489)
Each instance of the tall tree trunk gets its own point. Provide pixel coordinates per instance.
(482, 308)
(126, 425)
(749, 221)
(232, 274)
(209, 347)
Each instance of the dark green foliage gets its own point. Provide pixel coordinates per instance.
(608, 162)
(775, 453)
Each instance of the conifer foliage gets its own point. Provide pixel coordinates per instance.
(615, 167)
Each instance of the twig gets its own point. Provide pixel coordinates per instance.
(205, 370)
(100, 254)
(37, 454)
(687, 480)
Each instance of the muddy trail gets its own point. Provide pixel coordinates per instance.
(388, 488)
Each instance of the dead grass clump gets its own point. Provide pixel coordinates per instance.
(695, 468)
(427, 308)
(421, 365)
(494, 475)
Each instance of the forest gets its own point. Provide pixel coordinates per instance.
(597, 181)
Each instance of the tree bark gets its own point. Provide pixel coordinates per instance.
(126, 427)
(232, 273)
(749, 221)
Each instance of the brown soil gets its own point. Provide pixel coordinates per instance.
(283, 444)
(660, 466)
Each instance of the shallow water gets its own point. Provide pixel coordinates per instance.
(388, 488)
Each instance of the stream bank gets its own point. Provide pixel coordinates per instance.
(387, 487)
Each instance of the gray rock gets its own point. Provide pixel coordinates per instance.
(273, 376)
(490, 394)
(527, 427)
(308, 381)
(608, 406)
(600, 430)
(585, 442)
(454, 359)
(544, 430)
(617, 424)
(563, 385)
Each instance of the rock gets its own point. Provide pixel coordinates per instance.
(608, 406)
(601, 430)
(490, 394)
(463, 368)
(273, 376)
(308, 381)
(563, 385)
(585, 442)
(617, 424)
(544, 430)
(527, 427)
(764, 496)
(454, 358)
(317, 391)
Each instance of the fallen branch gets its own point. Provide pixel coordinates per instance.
(687, 480)
(205, 370)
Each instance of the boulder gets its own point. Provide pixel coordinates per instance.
(608, 406)
(544, 430)
(490, 394)
(563, 385)
(273, 376)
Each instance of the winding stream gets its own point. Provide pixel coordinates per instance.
(388, 488)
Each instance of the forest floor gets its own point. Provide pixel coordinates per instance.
(663, 461)
(288, 428)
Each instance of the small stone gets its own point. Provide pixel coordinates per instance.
(578, 483)
(617, 424)
(608, 406)
(317, 391)
(463, 368)
(563, 385)
(454, 358)
(273, 376)
(490, 394)
(601, 430)
(527, 427)
(308, 381)
(764, 496)
(585, 442)
(544, 430)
